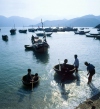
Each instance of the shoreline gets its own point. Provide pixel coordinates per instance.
(93, 101)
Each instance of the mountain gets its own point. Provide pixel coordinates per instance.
(84, 21)
(17, 21)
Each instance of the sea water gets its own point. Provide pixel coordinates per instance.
(49, 93)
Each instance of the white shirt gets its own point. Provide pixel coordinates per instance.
(76, 62)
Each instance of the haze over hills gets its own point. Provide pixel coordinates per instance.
(84, 21)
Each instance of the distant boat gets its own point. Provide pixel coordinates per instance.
(41, 33)
(5, 37)
(23, 31)
(31, 30)
(93, 35)
(13, 31)
(81, 32)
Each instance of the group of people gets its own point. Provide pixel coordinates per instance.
(90, 68)
(30, 77)
(33, 39)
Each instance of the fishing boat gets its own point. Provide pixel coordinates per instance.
(43, 45)
(93, 34)
(13, 31)
(59, 71)
(40, 47)
(31, 29)
(28, 47)
(41, 33)
(23, 31)
(5, 37)
(29, 84)
(82, 32)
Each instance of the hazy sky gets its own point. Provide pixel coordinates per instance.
(64, 8)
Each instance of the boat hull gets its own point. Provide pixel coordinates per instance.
(5, 37)
(13, 31)
(28, 84)
(28, 47)
(40, 47)
(71, 69)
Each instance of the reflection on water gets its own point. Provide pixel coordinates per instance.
(77, 79)
(42, 57)
(68, 80)
(93, 89)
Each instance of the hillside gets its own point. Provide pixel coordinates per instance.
(84, 21)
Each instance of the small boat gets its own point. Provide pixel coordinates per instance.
(5, 37)
(92, 34)
(23, 31)
(13, 31)
(31, 30)
(59, 71)
(48, 33)
(40, 47)
(28, 47)
(82, 32)
(41, 33)
(29, 84)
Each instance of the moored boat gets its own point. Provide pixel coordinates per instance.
(92, 34)
(29, 84)
(31, 30)
(40, 47)
(13, 31)
(82, 32)
(41, 33)
(5, 37)
(28, 47)
(23, 31)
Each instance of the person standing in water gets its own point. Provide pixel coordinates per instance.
(91, 71)
(76, 63)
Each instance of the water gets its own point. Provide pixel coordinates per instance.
(49, 94)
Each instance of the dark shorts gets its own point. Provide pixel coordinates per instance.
(92, 72)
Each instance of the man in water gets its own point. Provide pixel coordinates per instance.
(91, 71)
(29, 76)
(65, 70)
(76, 63)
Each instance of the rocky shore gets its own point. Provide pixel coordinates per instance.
(91, 103)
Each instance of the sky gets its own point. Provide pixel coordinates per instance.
(56, 8)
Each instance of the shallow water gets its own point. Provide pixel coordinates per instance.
(49, 93)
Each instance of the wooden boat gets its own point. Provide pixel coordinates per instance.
(41, 33)
(29, 84)
(92, 35)
(31, 30)
(28, 47)
(40, 47)
(81, 32)
(59, 71)
(23, 31)
(5, 37)
(13, 31)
